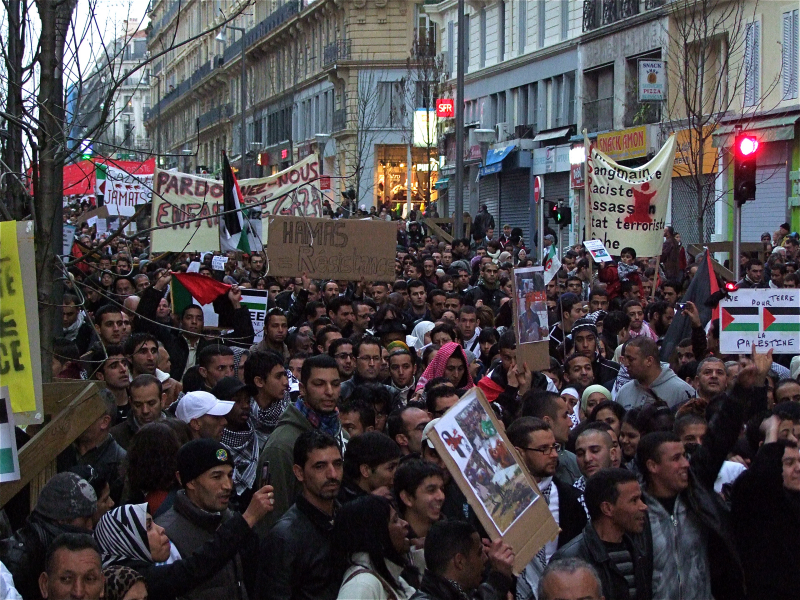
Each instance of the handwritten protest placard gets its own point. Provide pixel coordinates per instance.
(766, 318)
(628, 207)
(179, 197)
(326, 249)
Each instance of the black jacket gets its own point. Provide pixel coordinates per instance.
(589, 547)
(168, 582)
(296, 561)
(766, 519)
(108, 458)
(434, 587)
(491, 296)
(173, 340)
(189, 527)
(571, 516)
(605, 371)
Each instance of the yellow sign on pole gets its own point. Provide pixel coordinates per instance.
(16, 364)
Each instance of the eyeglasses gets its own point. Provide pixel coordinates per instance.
(546, 449)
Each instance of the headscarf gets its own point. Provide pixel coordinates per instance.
(121, 534)
(419, 332)
(119, 581)
(436, 368)
(591, 390)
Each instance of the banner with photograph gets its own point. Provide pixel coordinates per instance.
(473, 445)
(180, 197)
(628, 206)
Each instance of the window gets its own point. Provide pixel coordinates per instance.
(501, 30)
(540, 18)
(789, 67)
(752, 64)
(482, 62)
(564, 19)
(390, 104)
(523, 26)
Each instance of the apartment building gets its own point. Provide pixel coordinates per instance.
(314, 68)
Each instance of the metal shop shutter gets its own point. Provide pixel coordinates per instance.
(514, 202)
(769, 209)
(489, 194)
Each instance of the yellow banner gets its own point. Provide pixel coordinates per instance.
(16, 366)
(625, 144)
(686, 152)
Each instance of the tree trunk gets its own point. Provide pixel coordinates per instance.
(16, 198)
(48, 206)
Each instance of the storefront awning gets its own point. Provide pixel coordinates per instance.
(551, 135)
(494, 160)
(777, 129)
(442, 184)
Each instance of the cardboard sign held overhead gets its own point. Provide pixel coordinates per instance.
(530, 318)
(346, 249)
(764, 318)
(476, 451)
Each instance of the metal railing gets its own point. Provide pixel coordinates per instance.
(597, 13)
(336, 51)
(598, 115)
(215, 115)
(277, 18)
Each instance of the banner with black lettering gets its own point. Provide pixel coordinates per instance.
(628, 206)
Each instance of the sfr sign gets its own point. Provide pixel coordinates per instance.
(445, 109)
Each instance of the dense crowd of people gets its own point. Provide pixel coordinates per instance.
(302, 466)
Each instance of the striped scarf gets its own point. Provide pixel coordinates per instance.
(122, 535)
(244, 451)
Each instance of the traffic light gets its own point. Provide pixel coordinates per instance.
(744, 168)
(552, 211)
(560, 213)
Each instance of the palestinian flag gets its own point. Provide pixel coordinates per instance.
(193, 288)
(551, 264)
(760, 319)
(233, 227)
(100, 176)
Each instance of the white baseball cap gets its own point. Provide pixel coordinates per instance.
(196, 404)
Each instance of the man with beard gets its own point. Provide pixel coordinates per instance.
(111, 365)
(296, 554)
(579, 371)
(661, 315)
(584, 342)
(487, 290)
(711, 378)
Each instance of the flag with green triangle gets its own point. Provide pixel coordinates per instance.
(234, 228)
(767, 318)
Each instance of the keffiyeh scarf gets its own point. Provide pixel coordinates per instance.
(624, 270)
(71, 332)
(244, 451)
(268, 417)
(326, 423)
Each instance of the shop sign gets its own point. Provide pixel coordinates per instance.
(576, 176)
(625, 144)
(552, 159)
(686, 151)
(425, 134)
(445, 108)
(652, 81)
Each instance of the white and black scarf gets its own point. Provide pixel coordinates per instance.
(244, 450)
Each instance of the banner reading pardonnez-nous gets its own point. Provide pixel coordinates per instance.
(628, 207)
(179, 197)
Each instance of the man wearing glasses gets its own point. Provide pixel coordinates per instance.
(367, 351)
(534, 440)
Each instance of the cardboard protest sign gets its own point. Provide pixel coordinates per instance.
(628, 206)
(474, 447)
(327, 249)
(20, 359)
(179, 197)
(218, 263)
(766, 318)
(530, 318)
(68, 239)
(122, 191)
(597, 250)
(9, 461)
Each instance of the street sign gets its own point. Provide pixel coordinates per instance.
(537, 189)
(324, 182)
(445, 108)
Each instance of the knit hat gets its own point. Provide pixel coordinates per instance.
(584, 324)
(66, 497)
(198, 456)
(598, 315)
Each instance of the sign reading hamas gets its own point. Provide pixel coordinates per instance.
(628, 206)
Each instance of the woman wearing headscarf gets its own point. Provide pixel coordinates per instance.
(417, 337)
(123, 583)
(128, 537)
(450, 362)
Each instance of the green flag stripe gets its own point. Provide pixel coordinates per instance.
(742, 327)
(180, 296)
(6, 460)
(783, 327)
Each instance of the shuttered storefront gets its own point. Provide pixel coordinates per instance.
(684, 209)
(489, 194)
(769, 209)
(514, 207)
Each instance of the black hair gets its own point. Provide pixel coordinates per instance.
(374, 394)
(540, 404)
(415, 283)
(522, 427)
(260, 364)
(507, 341)
(72, 542)
(411, 474)
(649, 448)
(308, 441)
(628, 250)
(372, 448)
(190, 307)
(687, 420)
(615, 321)
(335, 344)
(137, 339)
(311, 308)
(336, 304)
(439, 391)
(274, 312)
(321, 361)
(566, 302)
(365, 340)
(436, 292)
(366, 412)
(488, 335)
(103, 311)
(615, 407)
(192, 381)
(65, 351)
(444, 328)
(144, 380)
(206, 354)
(445, 539)
(603, 486)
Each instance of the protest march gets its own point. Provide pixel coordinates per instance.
(261, 392)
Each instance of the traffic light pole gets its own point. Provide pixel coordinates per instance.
(540, 228)
(737, 239)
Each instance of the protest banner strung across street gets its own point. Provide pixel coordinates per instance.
(20, 359)
(346, 249)
(627, 207)
(766, 318)
(484, 464)
(179, 197)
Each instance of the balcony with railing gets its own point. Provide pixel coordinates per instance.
(339, 122)
(215, 115)
(598, 115)
(336, 51)
(598, 13)
(276, 19)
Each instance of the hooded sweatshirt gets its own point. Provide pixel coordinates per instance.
(667, 387)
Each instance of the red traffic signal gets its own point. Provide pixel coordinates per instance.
(746, 145)
(731, 286)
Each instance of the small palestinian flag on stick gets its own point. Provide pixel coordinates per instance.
(192, 288)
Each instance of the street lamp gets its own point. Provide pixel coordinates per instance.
(222, 37)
